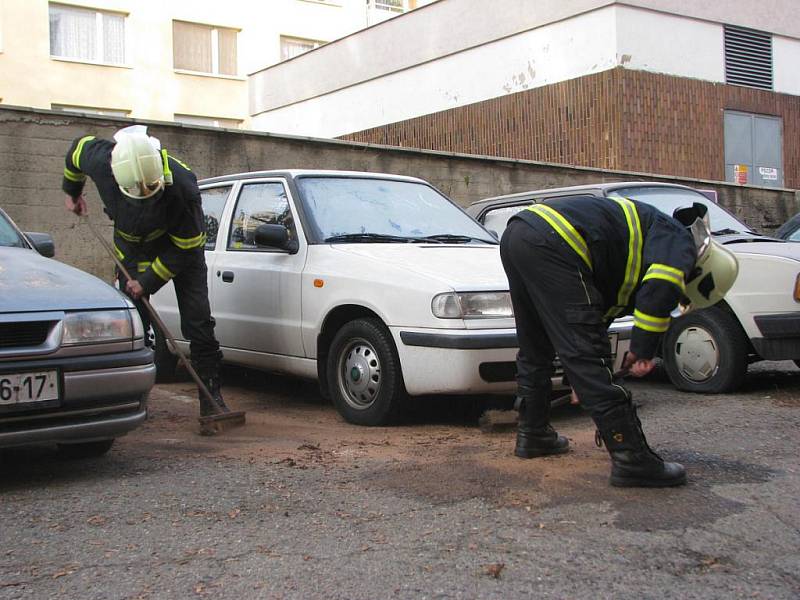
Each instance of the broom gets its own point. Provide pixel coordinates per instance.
(211, 424)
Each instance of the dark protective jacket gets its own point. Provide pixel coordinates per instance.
(156, 240)
(639, 258)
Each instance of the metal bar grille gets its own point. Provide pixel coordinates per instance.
(24, 335)
(748, 57)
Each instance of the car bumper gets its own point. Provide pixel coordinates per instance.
(781, 336)
(102, 397)
(470, 361)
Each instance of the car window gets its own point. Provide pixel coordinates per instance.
(213, 205)
(259, 204)
(9, 235)
(497, 219)
(795, 237)
(341, 206)
(668, 199)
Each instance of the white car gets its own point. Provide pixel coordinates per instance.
(707, 350)
(377, 285)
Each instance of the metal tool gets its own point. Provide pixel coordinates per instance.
(209, 425)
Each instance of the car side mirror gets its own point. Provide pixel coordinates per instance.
(42, 242)
(275, 236)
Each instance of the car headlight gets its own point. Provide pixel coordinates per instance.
(98, 326)
(472, 305)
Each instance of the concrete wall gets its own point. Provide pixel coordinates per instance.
(33, 143)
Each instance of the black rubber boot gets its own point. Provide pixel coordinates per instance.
(634, 464)
(206, 408)
(535, 436)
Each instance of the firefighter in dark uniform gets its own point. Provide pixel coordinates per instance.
(159, 231)
(575, 264)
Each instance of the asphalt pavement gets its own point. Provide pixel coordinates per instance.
(299, 504)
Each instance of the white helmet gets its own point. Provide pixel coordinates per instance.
(136, 163)
(716, 268)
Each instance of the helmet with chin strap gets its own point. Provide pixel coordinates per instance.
(137, 163)
(716, 268)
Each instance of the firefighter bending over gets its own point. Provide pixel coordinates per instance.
(575, 264)
(159, 231)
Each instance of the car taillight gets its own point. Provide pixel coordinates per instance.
(797, 288)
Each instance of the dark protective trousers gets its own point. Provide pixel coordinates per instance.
(558, 309)
(197, 324)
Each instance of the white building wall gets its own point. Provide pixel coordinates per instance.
(457, 52)
(662, 43)
(786, 64)
(564, 50)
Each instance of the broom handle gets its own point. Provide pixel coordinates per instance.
(157, 320)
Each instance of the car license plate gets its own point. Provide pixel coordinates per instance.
(20, 388)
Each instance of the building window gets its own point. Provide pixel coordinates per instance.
(291, 46)
(87, 34)
(391, 5)
(753, 149)
(748, 57)
(203, 48)
(208, 121)
(90, 110)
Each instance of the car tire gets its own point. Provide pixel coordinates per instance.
(166, 362)
(364, 376)
(706, 352)
(85, 449)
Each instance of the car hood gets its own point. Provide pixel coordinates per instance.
(754, 244)
(463, 267)
(31, 282)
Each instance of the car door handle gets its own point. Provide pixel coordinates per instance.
(227, 276)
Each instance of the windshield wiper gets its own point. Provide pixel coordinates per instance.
(455, 237)
(725, 231)
(369, 237)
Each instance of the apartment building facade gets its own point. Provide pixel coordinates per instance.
(701, 90)
(183, 60)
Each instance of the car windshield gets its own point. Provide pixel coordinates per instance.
(9, 235)
(668, 199)
(366, 210)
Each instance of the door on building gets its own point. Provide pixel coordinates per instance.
(753, 149)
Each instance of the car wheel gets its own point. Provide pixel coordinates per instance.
(166, 361)
(86, 449)
(706, 352)
(363, 372)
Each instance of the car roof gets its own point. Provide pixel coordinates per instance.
(590, 188)
(293, 173)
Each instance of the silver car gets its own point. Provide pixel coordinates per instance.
(74, 369)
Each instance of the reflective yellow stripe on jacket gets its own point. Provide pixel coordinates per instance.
(135, 239)
(73, 176)
(633, 266)
(667, 273)
(565, 229)
(649, 322)
(76, 155)
(162, 271)
(188, 243)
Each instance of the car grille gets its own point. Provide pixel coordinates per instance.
(24, 334)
